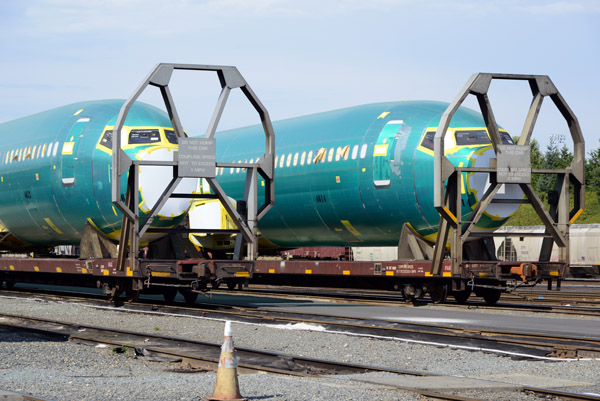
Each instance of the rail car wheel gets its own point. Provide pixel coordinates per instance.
(231, 284)
(438, 293)
(215, 284)
(10, 283)
(169, 294)
(461, 297)
(189, 296)
(132, 295)
(491, 295)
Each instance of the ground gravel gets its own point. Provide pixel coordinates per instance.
(61, 370)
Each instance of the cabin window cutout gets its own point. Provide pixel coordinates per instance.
(506, 138)
(320, 156)
(33, 151)
(171, 136)
(342, 153)
(302, 158)
(465, 138)
(281, 161)
(354, 152)
(427, 141)
(363, 151)
(55, 150)
(309, 158)
(237, 170)
(106, 140)
(144, 136)
(295, 159)
(330, 156)
(276, 159)
(289, 160)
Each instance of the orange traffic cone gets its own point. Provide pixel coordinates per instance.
(226, 386)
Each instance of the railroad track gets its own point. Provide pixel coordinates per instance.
(516, 344)
(205, 355)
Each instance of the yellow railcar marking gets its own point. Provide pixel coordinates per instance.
(350, 228)
(447, 274)
(483, 274)
(105, 272)
(36, 268)
(58, 270)
(51, 224)
(554, 273)
(84, 270)
(576, 216)
(346, 272)
(307, 271)
(383, 115)
(271, 270)
(68, 148)
(242, 274)
(389, 272)
(78, 112)
(11, 267)
(160, 274)
(428, 274)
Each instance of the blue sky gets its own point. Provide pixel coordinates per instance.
(303, 56)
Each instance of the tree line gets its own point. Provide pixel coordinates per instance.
(559, 157)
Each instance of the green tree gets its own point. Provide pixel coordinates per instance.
(592, 171)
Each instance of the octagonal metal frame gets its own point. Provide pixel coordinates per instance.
(131, 231)
(447, 196)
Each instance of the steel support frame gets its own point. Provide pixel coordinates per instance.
(133, 228)
(447, 177)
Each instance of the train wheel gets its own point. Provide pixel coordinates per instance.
(132, 295)
(491, 296)
(438, 293)
(10, 283)
(169, 294)
(215, 284)
(461, 297)
(231, 284)
(189, 296)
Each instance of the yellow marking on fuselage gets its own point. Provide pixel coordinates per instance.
(383, 115)
(114, 210)
(350, 228)
(51, 224)
(78, 112)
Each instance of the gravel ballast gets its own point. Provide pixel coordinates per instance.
(61, 370)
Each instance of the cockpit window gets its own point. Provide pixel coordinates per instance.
(106, 140)
(171, 136)
(144, 136)
(506, 139)
(427, 141)
(471, 138)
